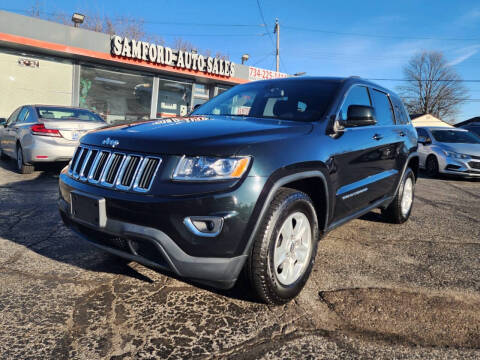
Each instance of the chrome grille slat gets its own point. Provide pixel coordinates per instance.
(79, 163)
(108, 168)
(148, 169)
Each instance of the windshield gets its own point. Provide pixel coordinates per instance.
(59, 113)
(297, 100)
(455, 136)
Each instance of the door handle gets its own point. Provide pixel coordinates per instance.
(377, 137)
(401, 133)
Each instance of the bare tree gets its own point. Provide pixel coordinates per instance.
(432, 86)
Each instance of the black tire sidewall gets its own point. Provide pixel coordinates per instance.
(292, 204)
(19, 150)
(432, 160)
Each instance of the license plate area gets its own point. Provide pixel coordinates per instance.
(88, 209)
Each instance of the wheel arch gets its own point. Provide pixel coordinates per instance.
(310, 182)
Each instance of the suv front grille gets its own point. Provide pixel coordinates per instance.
(114, 169)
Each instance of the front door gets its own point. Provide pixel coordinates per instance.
(366, 170)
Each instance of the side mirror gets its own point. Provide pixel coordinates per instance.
(424, 140)
(3, 122)
(360, 115)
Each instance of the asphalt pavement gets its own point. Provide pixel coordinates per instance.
(378, 290)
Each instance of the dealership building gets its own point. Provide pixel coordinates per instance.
(124, 80)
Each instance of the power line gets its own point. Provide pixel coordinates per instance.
(377, 36)
(264, 22)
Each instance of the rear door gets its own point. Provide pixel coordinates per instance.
(4, 140)
(366, 167)
(9, 140)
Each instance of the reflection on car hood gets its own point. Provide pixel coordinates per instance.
(196, 135)
(468, 149)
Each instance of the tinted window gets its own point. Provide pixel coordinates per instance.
(401, 116)
(358, 95)
(297, 100)
(58, 113)
(422, 132)
(455, 136)
(475, 129)
(383, 108)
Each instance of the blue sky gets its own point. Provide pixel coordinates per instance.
(372, 39)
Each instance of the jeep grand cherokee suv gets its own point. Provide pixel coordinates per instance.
(250, 180)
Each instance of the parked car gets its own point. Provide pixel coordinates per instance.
(449, 151)
(473, 127)
(251, 180)
(41, 133)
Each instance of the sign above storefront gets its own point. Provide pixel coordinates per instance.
(264, 74)
(157, 54)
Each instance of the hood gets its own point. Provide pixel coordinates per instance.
(196, 135)
(461, 148)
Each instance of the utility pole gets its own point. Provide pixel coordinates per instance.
(277, 31)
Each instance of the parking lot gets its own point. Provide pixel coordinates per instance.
(378, 290)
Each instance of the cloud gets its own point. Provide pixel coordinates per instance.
(465, 54)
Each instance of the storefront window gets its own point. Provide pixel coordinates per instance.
(174, 98)
(200, 94)
(119, 97)
(221, 89)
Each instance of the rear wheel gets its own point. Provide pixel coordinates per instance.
(432, 166)
(400, 208)
(284, 250)
(21, 166)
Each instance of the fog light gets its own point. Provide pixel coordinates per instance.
(207, 226)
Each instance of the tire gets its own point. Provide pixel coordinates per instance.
(3, 156)
(431, 165)
(268, 274)
(23, 168)
(400, 208)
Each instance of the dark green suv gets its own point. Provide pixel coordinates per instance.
(250, 180)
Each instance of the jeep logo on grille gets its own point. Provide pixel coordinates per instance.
(110, 142)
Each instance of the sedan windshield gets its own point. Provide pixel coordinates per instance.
(292, 99)
(59, 113)
(455, 136)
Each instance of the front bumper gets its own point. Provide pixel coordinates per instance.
(154, 248)
(462, 167)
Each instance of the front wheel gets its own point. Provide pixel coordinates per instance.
(285, 246)
(432, 166)
(400, 208)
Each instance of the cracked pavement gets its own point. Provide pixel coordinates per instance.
(377, 290)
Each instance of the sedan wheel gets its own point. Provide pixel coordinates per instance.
(21, 166)
(432, 166)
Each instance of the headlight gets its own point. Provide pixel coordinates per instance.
(456, 155)
(203, 168)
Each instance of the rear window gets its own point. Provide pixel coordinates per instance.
(58, 113)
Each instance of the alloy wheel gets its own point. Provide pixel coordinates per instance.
(292, 248)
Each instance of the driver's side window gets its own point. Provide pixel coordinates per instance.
(358, 95)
